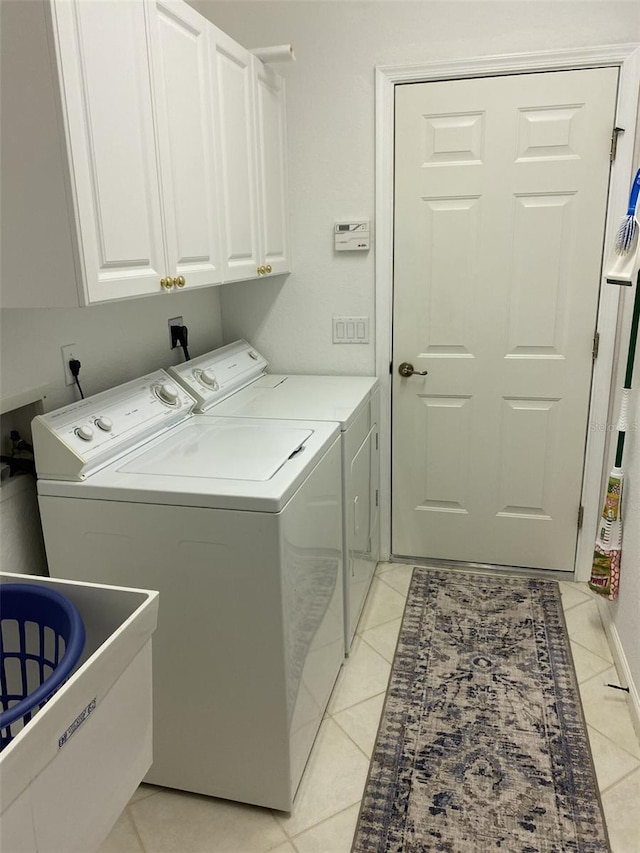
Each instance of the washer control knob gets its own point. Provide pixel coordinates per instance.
(253, 355)
(207, 377)
(104, 423)
(167, 393)
(84, 432)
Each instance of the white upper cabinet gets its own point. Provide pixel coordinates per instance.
(232, 74)
(180, 51)
(252, 165)
(271, 148)
(109, 123)
(81, 214)
(146, 156)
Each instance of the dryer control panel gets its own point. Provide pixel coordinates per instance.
(72, 442)
(216, 375)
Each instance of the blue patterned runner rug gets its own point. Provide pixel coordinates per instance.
(482, 744)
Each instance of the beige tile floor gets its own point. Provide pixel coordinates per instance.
(160, 820)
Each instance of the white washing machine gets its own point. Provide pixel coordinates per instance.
(232, 381)
(237, 522)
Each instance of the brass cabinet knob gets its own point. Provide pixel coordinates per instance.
(166, 283)
(268, 268)
(262, 270)
(180, 281)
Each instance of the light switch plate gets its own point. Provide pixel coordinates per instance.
(350, 330)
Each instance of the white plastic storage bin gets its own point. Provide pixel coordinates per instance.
(67, 776)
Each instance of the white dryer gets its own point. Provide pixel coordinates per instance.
(233, 381)
(237, 522)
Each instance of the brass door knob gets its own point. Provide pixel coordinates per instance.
(179, 281)
(407, 370)
(166, 283)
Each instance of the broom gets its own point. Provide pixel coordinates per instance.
(605, 572)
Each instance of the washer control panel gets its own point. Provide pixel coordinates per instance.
(213, 377)
(71, 442)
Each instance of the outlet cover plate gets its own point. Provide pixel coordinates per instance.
(69, 351)
(174, 321)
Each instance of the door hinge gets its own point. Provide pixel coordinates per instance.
(390, 368)
(376, 497)
(580, 517)
(615, 133)
(377, 434)
(596, 345)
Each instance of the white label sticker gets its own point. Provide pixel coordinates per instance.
(75, 725)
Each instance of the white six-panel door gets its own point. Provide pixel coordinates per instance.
(500, 197)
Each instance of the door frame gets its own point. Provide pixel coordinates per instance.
(626, 57)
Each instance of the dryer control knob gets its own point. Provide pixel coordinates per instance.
(84, 432)
(167, 393)
(104, 423)
(253, 355)
(207, 377)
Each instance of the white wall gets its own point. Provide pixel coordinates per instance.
(117, 342)
(330, 95)
(624, 613)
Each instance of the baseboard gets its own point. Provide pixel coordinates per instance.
(620, 660)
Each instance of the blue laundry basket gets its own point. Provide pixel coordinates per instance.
(41, 639)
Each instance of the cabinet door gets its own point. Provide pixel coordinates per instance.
(272, 168)
(102, 53)
(180, 49)
(232, 76)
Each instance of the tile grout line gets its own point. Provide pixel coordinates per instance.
(588, 724)
(388, 662)
(332, 717)
(324, 820)
(613, 743)
(582, 646)
(609, 663)
(620, 780)
(287, 840)
(404, 595)
(135, 825)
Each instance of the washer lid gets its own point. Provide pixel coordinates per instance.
(213, 462)
(230, 451)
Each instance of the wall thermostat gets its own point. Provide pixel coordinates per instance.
(351, 236)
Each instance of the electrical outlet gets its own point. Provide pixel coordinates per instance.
(69, 352)
(174, 321)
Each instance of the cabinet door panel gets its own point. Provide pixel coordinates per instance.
(180, 47)
(272, 167)
(106, 92)
(232, 73)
